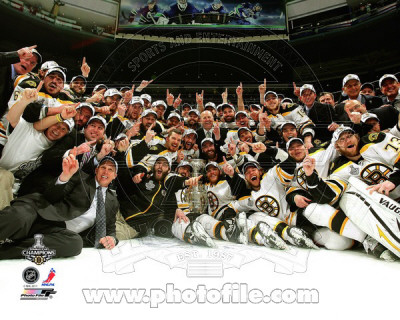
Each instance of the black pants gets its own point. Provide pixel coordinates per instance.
(20, 222)
(160, 223)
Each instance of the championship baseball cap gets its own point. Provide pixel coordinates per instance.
(227, 105)
(387, 76)
(79, 77)
(250, 164)
(213, 164)
(367, 85)
(350, 77)
(183, 164)
(56, 69)
(219, 106)
(293, 140)
(99, 87)
(255, 106)
(159, 102)
(137, 100)
(244, 128)
(124, 88)
(270, 92)
(146, 112)
(174, 114)
(109, 159)
(112, 92)
(87, 105)
(70, 123)
(48, 65)
(186, 105)
(338, 132)
(210, 104)
(146, 96)
(241, 112)
(281, 96)
(197, 112)
(121, 136)
(189, 131)
(288, 122)
(98, 118)
(166, 158)
(307, 87)
(38, 55)
(206, 140)
(367, 116)
(287, 100)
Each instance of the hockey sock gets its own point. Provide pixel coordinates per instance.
(213, 227)
(179, 230)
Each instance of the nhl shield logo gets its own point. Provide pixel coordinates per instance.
(30, 275)
(38, 253)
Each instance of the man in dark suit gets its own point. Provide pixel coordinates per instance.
(323, 115)
(208, 130)
(387, 114)
(78, 210)
(352, 88)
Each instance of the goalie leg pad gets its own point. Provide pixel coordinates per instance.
(376, 214)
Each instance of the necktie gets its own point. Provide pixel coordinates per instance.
(100, 218)
(86, 156)
(208, 134)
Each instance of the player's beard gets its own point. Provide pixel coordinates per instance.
(159, 176)
(353, 152)
(143, 128)
(188, 145)
(211, 154)
(132, 114)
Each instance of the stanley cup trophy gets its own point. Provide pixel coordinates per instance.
(197, 195)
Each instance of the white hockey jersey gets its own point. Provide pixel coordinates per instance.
(219, 198)
(380, 155)
(270, 199)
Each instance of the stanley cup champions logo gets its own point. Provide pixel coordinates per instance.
(38, 253)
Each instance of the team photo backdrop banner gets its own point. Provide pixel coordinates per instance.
(139, 14)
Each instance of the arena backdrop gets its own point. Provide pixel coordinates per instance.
(266, 14)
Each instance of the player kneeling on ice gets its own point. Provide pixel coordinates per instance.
(264, 206)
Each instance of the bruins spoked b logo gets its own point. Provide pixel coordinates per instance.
(212, 201)
(268, 205)
(301, 178)
(375, 173)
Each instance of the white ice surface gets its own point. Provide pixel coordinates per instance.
(350, 284)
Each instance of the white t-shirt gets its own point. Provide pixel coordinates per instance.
(25, 144)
